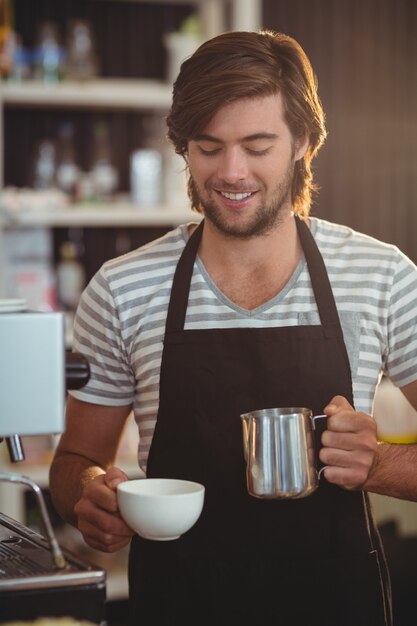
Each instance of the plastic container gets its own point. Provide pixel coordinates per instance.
(146, 178)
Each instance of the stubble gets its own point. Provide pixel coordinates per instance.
(266, 218)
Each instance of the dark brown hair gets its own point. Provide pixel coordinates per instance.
(237, 65)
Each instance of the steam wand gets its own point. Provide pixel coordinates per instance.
(15, 448)
(57, 555)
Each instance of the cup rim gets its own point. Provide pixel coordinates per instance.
(277, 412)
(127, 486)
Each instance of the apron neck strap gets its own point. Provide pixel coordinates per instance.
(318, 274)
(320, 282)
(182, 280)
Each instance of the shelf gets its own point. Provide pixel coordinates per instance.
(109, 93)
(113, 215)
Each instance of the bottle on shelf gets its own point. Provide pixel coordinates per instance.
(44, 168)
(49, 54)
(146, 176)
(104, 175)
(81, 62)
(181, 44)
(67, 171)
(7, 38)
(22, 60)
(70, 279)
(70, 276)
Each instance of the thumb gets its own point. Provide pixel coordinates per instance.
(113, 477)
(336, 404)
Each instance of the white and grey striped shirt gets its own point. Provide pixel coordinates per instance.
(120, 321)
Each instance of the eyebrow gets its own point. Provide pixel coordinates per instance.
(254, 137)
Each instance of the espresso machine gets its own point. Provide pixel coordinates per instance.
(37, 577)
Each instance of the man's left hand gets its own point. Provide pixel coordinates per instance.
(349, 445)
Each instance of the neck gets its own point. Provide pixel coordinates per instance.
(251, 271)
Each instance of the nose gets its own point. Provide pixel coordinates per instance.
(233, 166)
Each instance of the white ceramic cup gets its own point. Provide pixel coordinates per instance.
(161, 509)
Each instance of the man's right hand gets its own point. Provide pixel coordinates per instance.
(98, 517)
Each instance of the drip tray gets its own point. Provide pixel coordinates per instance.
(31, 586)
(26, 561)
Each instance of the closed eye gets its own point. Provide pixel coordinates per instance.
(253, 152)
(211, 152)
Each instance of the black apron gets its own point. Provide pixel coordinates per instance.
(247, 561)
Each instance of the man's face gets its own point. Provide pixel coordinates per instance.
(242, 166)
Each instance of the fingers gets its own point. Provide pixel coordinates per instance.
(349, 445)
(109, 549)
(337, 404)
(98, 515)
(105, 535)
(100, 494)
(348, 428)
(113, 477)
(348, 469)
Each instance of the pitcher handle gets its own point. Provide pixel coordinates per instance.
(319, 428)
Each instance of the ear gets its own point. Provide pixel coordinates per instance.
(301, 145)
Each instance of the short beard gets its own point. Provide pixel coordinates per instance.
(266, 218)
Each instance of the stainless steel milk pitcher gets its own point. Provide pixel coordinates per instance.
(281, 452)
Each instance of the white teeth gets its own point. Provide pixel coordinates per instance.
(236, 196)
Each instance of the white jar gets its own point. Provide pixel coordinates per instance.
(180, 46)
(146, 177)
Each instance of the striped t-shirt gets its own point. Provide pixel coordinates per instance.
(120, 321)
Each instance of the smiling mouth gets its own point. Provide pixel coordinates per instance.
(237, 196)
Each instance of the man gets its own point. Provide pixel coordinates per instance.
(252, 319)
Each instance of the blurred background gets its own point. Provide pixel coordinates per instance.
(86, 172)
(364, 53)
